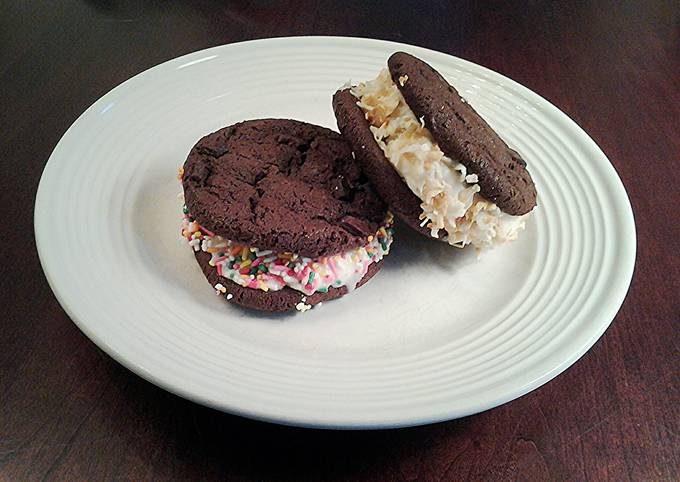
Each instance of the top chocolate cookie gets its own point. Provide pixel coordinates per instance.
(282, 185)
(464, 135)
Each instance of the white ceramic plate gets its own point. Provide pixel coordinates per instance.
(434, 336)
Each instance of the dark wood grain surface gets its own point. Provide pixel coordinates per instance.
(68, 411)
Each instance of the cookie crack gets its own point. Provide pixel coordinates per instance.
(253, 208)
(303, 148)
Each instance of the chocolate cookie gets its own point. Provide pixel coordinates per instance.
(385, 178)
(280, 216)
(464, 135)
(282, 185)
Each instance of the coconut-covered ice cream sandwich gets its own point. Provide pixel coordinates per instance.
(435, 161)
(280, 216)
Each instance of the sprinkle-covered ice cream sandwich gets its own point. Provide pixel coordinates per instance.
(280, 216)
(439, 166)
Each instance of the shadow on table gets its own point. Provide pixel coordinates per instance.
(198, 442)
(241, 446)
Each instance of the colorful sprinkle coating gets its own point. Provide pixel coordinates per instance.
(266, 270)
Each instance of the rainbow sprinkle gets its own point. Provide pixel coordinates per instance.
(269, 271)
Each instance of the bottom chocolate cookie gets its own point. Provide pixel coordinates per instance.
(352, 123)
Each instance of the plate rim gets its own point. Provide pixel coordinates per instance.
(625, 266)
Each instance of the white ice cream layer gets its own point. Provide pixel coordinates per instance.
(449, 194)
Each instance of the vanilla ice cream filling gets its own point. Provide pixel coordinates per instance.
(450, 196)
(267, 270)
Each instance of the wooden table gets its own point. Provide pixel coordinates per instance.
(70, 412)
